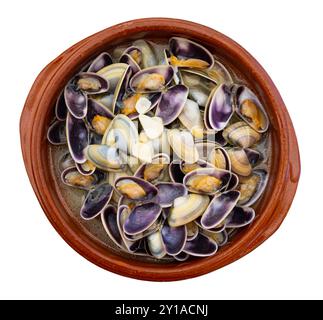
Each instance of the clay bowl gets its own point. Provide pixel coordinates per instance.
(38, 112)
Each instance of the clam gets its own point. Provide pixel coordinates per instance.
(104, 157)
(239, 161)
(187, 208)
(141, 218)
(98, 117)
(135, 189)
(101, 61)
(153, 79)
(156, 245)
(72, 177)
(60, 107)
(205, 147)
(96, 201)
(145, 52)
(56, 133)
(207, 181)
(87, 168)
(219, 208)
(109, 222)
(168, 192)
(233, 183)
(65, 161)
(182, 143)
(181, 256)
(135, 53)
(174, 238)
(77, 138)
(252, 187)
(201, 246)
(91, 83)
(172, 103)
(250, 109)
(189, 54)
(175, 172)
(128, 59)
(191, 118)
(221, 238)
(218, 110)
(199, 164)
(241, 135)
(219, 73)
(192, 230)
(240, 217)
(76, 101)
(219, 158)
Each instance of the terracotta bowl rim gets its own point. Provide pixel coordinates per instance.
(288, 170)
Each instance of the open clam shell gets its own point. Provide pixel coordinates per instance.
(141, 218)
(135, 189)
(101, 61)
(168, 192)
(96, 201)
(207, 181)
(199, 164)
(77, 135)
(56, 133)
(201, 246)
(187, 208)
(73, 178)
(153, 79)
(252, 187)
(219, 208)
(189, 54)
(87, 168)
(240, 217)
(250, 109)
(219, 109)
(172, 103)
(128, 59)
(76, 101)
(98, 117)
(91, 83)
(174, 238)
(219, 158)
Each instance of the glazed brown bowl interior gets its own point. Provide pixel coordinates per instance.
(38, 113)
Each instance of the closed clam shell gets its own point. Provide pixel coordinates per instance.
(96, 201)
(101, 61)
(172, 103)
(77, 135)
(240, 163)
(252, 187)
(156, 245)
(240, 217)
(241, 135)
(219, 208)
(187, 208)
(250, 109)
(207, 181)
(135, 189)
(174, 238)
(141, 218)
(182, 143)
(190, 54)
(153, 79)
(168, 192)
(201, 246)
(219, 158)
(56, 133)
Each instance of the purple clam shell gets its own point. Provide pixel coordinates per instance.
(56, 133)
(219, 208)
(60, 107)
(174, 238)
(219, 110)
(254, 156)
(240, 217)
(166, 71)
(96, 200)
(76, 101)
(103, 83)
(95, 108)
(175, 172)
(127, 59)
(233, 183)
(80, 168)
(109, 222)
(150, 189)
(201, 246)
(168, 192)
(77, 138)
(185, 49)
(141, 218)
(121, 90)
(182, 256)
(172, 103)
(223, 175)
(101, 61)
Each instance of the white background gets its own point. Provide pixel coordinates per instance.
(284, 36)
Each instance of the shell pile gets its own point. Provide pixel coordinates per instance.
(166, 146)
